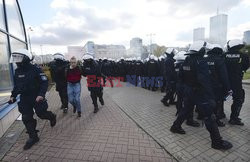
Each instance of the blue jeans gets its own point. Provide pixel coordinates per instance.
(74, 93)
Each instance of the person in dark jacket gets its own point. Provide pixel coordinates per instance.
(92, 71)
(152, 72)
(237, 63)
(138, 71)
(32, 84)
(170, 77)
(198, 91)
(57, 68)
(180, 58)
(219, 79)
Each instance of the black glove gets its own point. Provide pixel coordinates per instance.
(12, 101)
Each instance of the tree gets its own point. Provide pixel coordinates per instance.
(246, 49)
(159, 51)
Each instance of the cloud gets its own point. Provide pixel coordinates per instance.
(184, 8)
(75, 22)
(238, 31)
(185, 36)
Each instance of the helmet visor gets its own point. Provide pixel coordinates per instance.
(16, 58)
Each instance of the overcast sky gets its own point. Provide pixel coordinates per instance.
(59, 23)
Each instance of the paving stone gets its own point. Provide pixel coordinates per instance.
(145, 108)
(109, 135)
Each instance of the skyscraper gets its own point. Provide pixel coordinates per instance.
(246, 37)
(136, 48)
(198, 34)
(218, 29)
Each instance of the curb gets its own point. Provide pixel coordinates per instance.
(246, 82)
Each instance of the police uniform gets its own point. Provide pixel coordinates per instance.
(30, 82)
(91, 70)
(170, 80)
(152, 71)
(236, 63)
(198, 91)
(219, 79)
(58, 68)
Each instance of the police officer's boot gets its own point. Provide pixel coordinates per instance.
(165, 102)
(220, 123)
(192, 123)
(52, 120)
(234, 118)
(96, 109)
(177, 129)
(221, 145)
(235, 122)
(30, 124)
(212, 127)
(33, 138)
(101, 101)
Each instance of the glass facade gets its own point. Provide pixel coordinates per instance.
(2, 22)
(5, 82)
(15, 24)
(12, 37)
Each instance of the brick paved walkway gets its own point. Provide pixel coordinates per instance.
(109, 135)
(147, 111)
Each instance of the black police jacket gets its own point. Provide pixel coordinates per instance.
(138, 68)
(169, 70)
(29, 81)
(236, 63)
(94, 76)
(152, 68)
(218, 72)
(58, 68)
(194, 73)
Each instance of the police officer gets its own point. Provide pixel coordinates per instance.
(138, 71)
(107, 71)
(162, 69)
(31, 83)
(58, 68)
(152, 71)
(179, 59)
(219, 79)
(92, 71)
(198, 91)
(237, 63)
(122, 69)
(170, 74)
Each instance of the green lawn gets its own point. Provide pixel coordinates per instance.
(246, 75)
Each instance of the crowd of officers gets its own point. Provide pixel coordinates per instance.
(199, 79)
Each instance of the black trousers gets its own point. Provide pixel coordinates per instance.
(206, 108)
(63, 96)
(96, 94)
(26, 107)
(170, 92)
(238, 100)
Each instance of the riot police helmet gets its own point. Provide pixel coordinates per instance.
(171, 51)
(58, 56)
(234, 44)
(21, 56)
(198, 48)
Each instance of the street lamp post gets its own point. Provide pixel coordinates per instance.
(29, 30)
(151, 37)
(41, 46)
